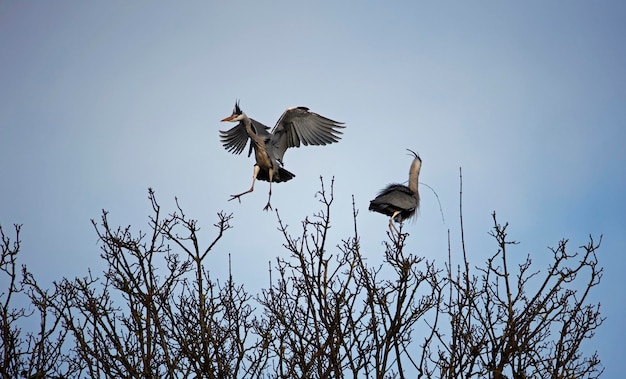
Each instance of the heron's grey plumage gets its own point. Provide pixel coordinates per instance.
(296, 126)
(398, 201)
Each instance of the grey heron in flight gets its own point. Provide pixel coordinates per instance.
(398, 201)
(296, 126)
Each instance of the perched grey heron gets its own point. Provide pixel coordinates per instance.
(297, 125)
(398, 201)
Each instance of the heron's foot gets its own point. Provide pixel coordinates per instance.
(268, 206)
(396, 234)
(238, 197)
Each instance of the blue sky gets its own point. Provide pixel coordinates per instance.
(101, 100)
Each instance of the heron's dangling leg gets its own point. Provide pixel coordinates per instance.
(268, 205)
(392, 227)
(256, 172)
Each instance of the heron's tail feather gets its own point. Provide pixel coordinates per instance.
(282, 176)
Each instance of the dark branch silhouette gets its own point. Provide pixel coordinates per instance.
(157, 310)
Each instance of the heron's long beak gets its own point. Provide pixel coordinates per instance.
(229, 118)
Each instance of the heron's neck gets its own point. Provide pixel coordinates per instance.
(248, 124)
(414, 174)
(251, 130)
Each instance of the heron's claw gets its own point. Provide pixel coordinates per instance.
(267, 206)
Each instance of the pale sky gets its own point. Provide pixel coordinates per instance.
(101, 100)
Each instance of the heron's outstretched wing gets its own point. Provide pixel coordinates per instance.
(298, 125)
(235, 139)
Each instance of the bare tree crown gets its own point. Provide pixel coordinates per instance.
(157, 312)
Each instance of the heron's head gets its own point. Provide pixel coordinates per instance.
(415, 155)
(237, 115)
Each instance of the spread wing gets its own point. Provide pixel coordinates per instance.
(297, 125)
(235, 139)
